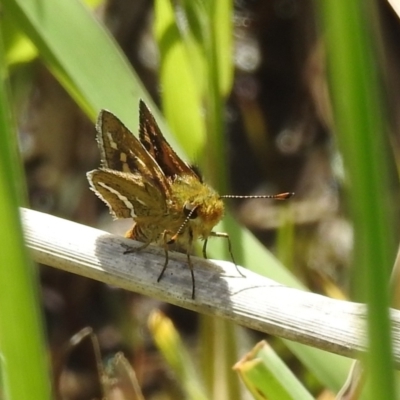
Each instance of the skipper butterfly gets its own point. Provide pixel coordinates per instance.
(144, 179)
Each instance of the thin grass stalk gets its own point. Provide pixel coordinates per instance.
(353, 60)
(24, 369)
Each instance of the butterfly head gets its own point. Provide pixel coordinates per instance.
(199, 205)
(204, 214)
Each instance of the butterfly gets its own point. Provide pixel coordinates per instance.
(144, 179)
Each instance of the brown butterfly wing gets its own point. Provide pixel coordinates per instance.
(153, 140)
(121, 151)
(128, 195)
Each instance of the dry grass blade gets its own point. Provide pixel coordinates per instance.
(254, 301)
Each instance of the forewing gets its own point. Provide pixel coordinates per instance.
(127, 195)
(153, 140)
(121, 151)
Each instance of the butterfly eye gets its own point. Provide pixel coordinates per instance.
(190, 210)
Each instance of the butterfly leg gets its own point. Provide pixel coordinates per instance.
(205, 248)
(165, 265)
(129, 249)
(191, 273)
(166, 242)
(172, 241)
(225, 236)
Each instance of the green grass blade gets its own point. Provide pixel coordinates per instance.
(222, 21)
(82, 55)
(24, 370)
(181, 71)
(359, 115)
(267, 377)
(171, 346)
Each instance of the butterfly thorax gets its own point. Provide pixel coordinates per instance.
(188, 193)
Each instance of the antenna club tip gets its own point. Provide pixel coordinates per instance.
(286, 195)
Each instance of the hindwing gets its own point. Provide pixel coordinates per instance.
(128, 195)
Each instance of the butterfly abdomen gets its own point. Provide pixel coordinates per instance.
(138, 233)
(145, 233)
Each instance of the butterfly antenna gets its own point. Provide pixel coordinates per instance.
(184, 223)
(280, 196)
